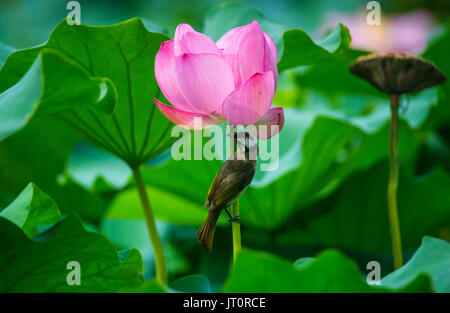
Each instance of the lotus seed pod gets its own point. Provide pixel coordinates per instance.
(397, 72)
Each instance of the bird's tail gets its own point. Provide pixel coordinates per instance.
(206, 233)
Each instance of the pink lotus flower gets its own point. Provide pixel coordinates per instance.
(234, 79)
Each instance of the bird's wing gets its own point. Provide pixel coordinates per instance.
(226, 189)
(215, 183)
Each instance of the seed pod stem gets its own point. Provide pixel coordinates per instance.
(396, 73)
(393, 183)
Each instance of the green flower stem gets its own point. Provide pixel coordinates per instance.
(393, 184)
(160, 259)
(236, 230)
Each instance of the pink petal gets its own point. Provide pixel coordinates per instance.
(274, 122)
(188, 120)
(165, 76)
(273, 47)
(270, 59)
(251, 101)
(229, 42)
(243, 49)
(205, 81)
(187, 40)
(251, 52)
(248, 50)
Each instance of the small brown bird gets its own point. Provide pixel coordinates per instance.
(231, 180)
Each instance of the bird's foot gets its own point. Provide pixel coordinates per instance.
(235, 219)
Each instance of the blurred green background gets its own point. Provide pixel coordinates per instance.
(37, 18)
(329, 190)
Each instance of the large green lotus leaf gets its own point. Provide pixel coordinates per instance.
(334, 78)
(192, 283)
(17, 64)
(438, 149)
(152, 286)
(5, 50)
(50, 85)
(32, 208)
(355, 217)
(299, 49)
(437, 52)
(100, 171)
(432, 258)
(417, 109)
(119, 61)
(76, 199)
(194, 177)
(330, 271)
(97, 169)
(24, 159)
(128, 233)
(39, 265)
